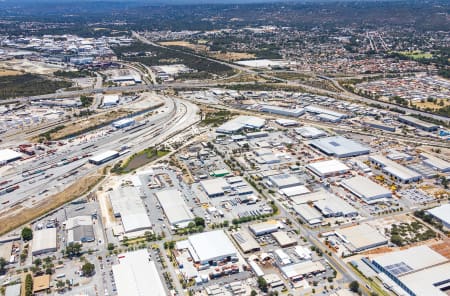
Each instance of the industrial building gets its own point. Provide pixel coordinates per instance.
(103, 157)
(397, 171)
(137, 275)
(266, 227)
(282, 181)
(339, 146)
(294, 112)
(283, 239)
(323, 111)
(309, 197)
(361, 237)
(333, 206)
(245, 241)
(79, 229)
(417, 271)
(308, 214)
(127, 204)
(286, 122)
(208, 247)
(44, 241)
(412, 121)
(110, 100)
(441, 213)
(364, 188)
(122, 123)
(215, 187)
(175, 208)
(310, 132)
(435, 162)
(379, 125)
(13, 290)
(9, 155)
(294, 191)
(328, 168)
(297, 271)
(239, 123)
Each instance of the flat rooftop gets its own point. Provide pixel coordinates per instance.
(442, 213)
(174, 206)
(7, 155)
(328, 167)
(212, 245)
(361, 237)
(339, 146)
(365, 188)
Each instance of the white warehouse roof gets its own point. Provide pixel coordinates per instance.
(137, 275)
(328, 167)
(442, 213)
(175, 207)
(44, 241)
(310, 132)
(366, 189)
(213, 245)
(103, 156)
(339, 146)
(126, 203)
(7, 155)
(240, 123)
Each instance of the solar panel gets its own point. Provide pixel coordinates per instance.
(398, 268)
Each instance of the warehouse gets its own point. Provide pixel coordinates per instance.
(308, 214)
(339, 146)
(209, 247)
(293, 112)
(44, 241)
(286, 122)
(127, 204)
(364, 188)
(322, 111)
(417, 270)
(399, 172)
(435, 163)
(283, 239)
(9, 155)
(309, 197)
(266, 227)
(328, 168)
(412, 121)
(379, 125)
(285, 181)
(80, 229)
(298, 271)
(328, 118)
(215, 187)
(310, 132)
(122, 123)
(103, 157)
(245, 241)
(295, 190)
(136, 275)
(441, 213)
(239, 123)
(175, 208)
(110, 100)
(333, 206)
(361, 237)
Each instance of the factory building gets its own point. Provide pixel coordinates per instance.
(44, 241)
(136, 275)
(361, 238)
(122, 123)
(333, 206)
(286, 122)
(297, 271)
(294, 112)
(435, 163)
(323, 111)
(266, 227)
(328, 168)
(239, 123)
(245, 241)
(215, 187)
(412, 121)
(308, 214)
(310, 132)
(283, 239)
(9, 155)
(283, 181)
(103, 157)
(364, 188)
(441, 213)
(175, 208)
(379, 125)
(79, 229)
(417, 271)
(110, 100)
(127, 204)
(397, 171)
(339, 146)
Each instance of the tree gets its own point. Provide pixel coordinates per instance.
(111, 246)
(2, 265)
(28, 285)
(88, 269)
(262, 284)
(253, 293)
(354, 286)
(73, 249)
(199, 221)
(27, 234)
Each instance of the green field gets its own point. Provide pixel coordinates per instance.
(416, 54)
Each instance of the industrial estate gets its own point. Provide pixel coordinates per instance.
(142, 162)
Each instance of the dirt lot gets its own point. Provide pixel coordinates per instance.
(232, 56)
(431, 105)
(195, 47)
(34, 67)
(7, 72)
(20, 215)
